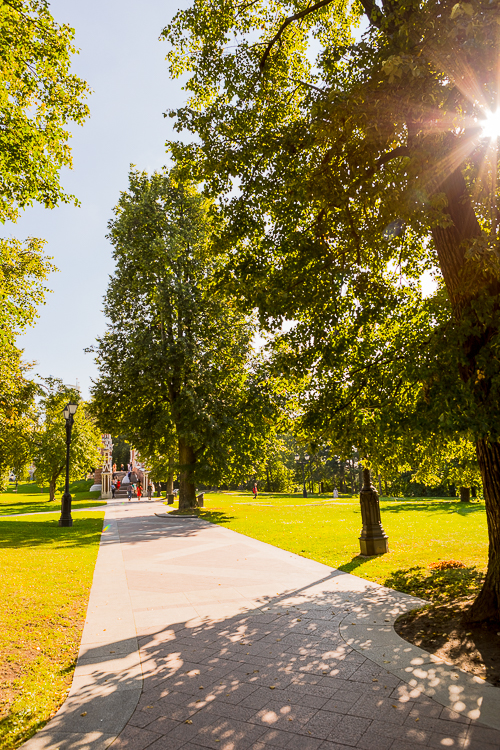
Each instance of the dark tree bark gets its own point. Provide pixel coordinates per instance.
(187, 490)
(465, 494)
(487, 605)
(451, 243)
(170, 478)
(53, 484)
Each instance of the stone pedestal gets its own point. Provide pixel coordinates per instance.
(170, 499)
(200, 500)
(373, 539)
(106, 479)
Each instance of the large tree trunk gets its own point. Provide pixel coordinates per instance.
(52, 489)
(487, 605)
(187, 490)
(170, 478)
(465, 494)
(451, 243)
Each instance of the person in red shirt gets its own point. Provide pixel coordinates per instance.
(139, 491)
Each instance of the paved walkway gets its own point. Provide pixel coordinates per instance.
(198, 637)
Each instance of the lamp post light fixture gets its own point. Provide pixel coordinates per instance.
(66, 519)
(302, 462)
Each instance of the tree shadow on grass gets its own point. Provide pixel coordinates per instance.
(445, 506)
(213, 516)
(20, 533)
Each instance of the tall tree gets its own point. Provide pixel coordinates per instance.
(372, 158)
(23, 270)
(176, 362)
(49, 454)
(39, 99)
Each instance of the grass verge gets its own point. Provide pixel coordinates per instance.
(45, 579)
(30, 498)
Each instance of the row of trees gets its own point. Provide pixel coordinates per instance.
(179, 377)
(39, 99)
(338, 182)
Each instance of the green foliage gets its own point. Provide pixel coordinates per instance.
(350, 174)
(121, 452)
(39, 98)
(50, 441)
(336, 178)
(344, 194)
(176, 369)
(436, 585)
(23, 270)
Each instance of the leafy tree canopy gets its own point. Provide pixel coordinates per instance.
(39, 98)
(23, 271)
(49, 454)
(370, 157)
(176, 371)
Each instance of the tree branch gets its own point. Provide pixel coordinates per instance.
(372, 12)
(287, 22)
(399, 151)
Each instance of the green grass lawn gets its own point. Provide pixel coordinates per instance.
(422, 532)
(45, 578)
(30, 498)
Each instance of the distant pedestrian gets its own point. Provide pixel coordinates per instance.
(114, 468)
(129, 492)
(335, 493)
(254, 490)
(118, 484)
(121, 467)
(113, 488)
(150, 491)
(139, 491)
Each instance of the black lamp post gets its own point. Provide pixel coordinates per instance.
(65, 519)
(302, 462)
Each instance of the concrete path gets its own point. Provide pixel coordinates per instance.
(199, 637)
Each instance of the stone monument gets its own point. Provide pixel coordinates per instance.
(373, 539)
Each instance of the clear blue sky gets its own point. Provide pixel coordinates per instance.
(124, 63)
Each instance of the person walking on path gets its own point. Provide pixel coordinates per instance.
(150, 491)
(118, 484)
(113, 488)
(335, 493)
(254, 490)
(129, 492)
(139, 491)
